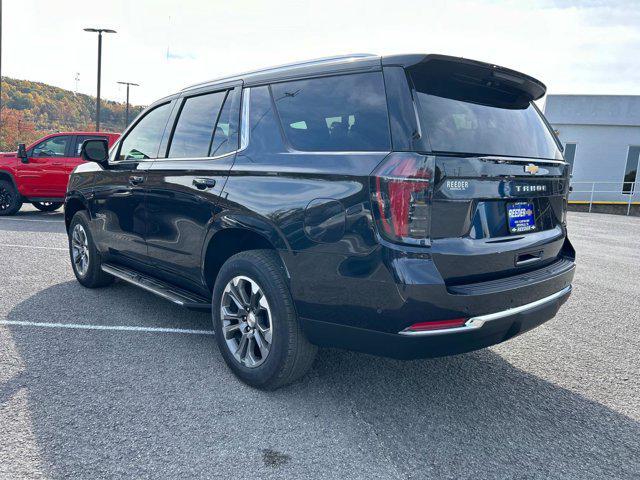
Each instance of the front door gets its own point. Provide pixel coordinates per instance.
(183, 189)
(118, 211)
(119, 206)
(43, 175)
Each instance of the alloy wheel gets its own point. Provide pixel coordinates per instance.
(80, 249)
(246, 321)
(5, 198)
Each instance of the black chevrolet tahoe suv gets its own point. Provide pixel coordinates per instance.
(408, 206)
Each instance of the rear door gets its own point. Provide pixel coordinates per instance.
(43, 176)
(183, 188)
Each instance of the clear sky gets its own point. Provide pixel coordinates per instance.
(592, 46)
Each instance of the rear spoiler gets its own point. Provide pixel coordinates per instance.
(480, 72)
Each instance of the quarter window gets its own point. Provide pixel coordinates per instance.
(347, 112)
(143, 141)
(53, 147)
(194, 132)
(631, 170)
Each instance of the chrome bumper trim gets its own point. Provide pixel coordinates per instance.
(474, 323)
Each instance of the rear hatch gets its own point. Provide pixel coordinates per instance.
(490, 218)
(489, 187)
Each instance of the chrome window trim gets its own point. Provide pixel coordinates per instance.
(474, 323)
(200, 159)
(244, 119)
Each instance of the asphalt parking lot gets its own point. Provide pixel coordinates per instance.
(562, 401)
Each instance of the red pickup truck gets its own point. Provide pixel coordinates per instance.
(40, 172)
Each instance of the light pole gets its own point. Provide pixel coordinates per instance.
(128, 84)
(99, 31)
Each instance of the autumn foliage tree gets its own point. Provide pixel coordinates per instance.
(33, 106)
(14, 129)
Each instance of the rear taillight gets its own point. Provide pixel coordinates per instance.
(401, 190)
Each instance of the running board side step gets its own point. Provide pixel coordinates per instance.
(165, 290)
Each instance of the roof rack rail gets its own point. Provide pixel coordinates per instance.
(317, 61)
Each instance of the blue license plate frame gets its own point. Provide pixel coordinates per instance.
(521, 217)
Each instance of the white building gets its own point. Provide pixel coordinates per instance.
(601, 136)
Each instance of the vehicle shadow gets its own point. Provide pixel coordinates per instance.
(37, 214)
(132, 404)
(33, 221)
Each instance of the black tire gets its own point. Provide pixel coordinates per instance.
(10, 198)
(47, 206)
(92, 276)
(291, 354)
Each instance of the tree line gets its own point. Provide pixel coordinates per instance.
(33, 109)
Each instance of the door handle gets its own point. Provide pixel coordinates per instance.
(136, 179)
(204, 183)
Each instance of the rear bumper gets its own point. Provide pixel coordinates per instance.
(367, 303)
(478, 332)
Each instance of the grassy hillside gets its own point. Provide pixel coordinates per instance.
(32, 109)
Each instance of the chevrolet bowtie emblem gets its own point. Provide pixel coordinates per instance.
(531, 168)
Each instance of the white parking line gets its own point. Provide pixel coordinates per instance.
(29, 220)
(11, 245)
(124, 328)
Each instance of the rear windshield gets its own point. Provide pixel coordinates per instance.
(458, 119)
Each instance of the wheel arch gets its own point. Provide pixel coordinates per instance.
(6, 175)
(232, 234)
(73, 205)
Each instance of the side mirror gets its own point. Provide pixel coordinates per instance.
(22, 153)
(95, 150)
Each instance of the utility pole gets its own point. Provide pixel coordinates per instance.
(77, 79)
(99, 31)
(128, 84)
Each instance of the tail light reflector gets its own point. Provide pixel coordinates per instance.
(436, 325)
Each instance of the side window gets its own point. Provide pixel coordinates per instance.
(346, 112)
(631, 170)
(221, 143)
(196, 126)
(263, 132)
(144, 140)
(53, 147)
(570, 154)
(80, 140)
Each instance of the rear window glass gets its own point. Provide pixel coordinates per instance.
(342, 113)
(459, 119)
